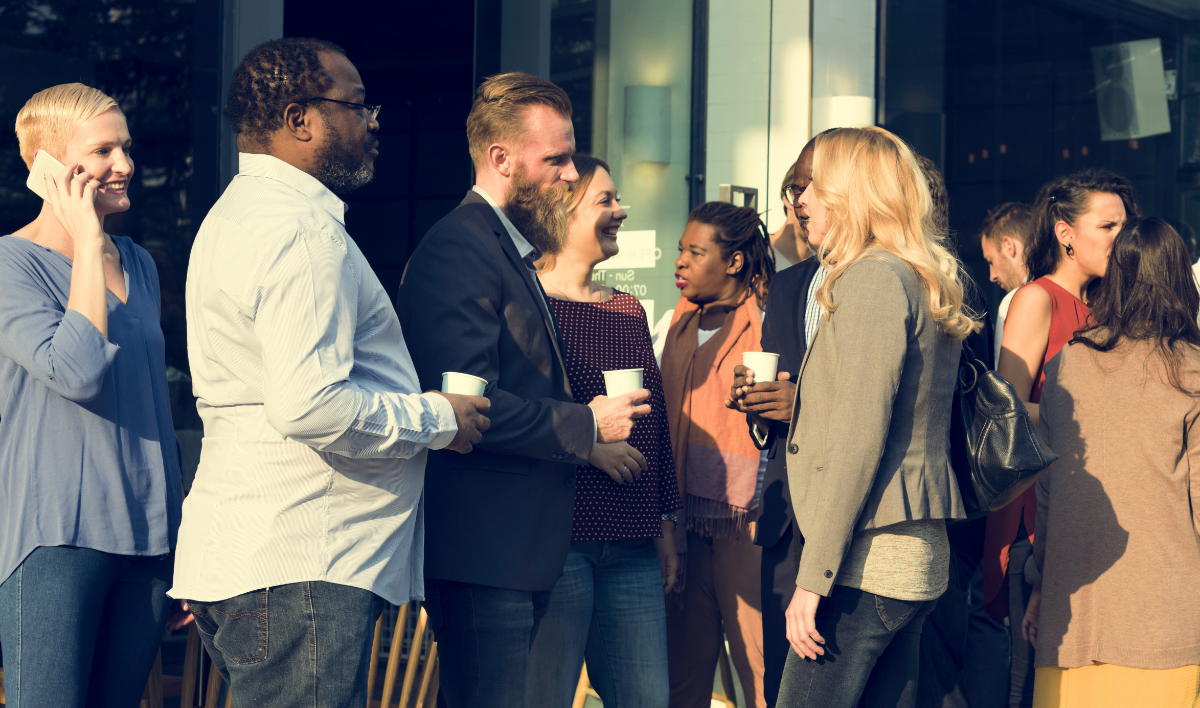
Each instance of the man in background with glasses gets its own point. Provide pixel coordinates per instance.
(790, 320)
(305, 514)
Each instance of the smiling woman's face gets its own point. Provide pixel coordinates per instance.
(595, 221)
(101, 146)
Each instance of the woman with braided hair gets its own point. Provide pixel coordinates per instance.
(724, 268)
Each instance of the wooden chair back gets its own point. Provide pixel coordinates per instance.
(422, 646)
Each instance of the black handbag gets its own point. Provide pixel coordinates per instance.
(995, 448)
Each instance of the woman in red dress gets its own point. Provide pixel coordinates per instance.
(1078, 216)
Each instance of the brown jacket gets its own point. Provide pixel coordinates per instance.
(1118, 517)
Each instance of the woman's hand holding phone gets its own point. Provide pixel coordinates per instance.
(72, 196)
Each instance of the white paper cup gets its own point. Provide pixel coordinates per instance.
(464, 384)
(622, 381)
(764, 365)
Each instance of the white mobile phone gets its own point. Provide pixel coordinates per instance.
(43, 163)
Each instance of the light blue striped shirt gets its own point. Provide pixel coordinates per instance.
(315, 427)
(812, 309)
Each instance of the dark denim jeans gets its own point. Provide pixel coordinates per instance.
(484, 635)
(779, 568)
(81, 627)
(302, 644)
(608, 606)
(872, 654)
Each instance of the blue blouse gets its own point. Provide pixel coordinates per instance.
(88, 453)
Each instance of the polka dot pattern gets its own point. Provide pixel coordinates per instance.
(603, 336)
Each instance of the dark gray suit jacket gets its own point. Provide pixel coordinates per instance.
(783, 334)
(500, 516)
(869, 444)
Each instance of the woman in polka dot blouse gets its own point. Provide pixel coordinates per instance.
(608, 606)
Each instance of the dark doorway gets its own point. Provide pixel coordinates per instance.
(416, 62)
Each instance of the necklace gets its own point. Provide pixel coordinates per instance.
(593, 290)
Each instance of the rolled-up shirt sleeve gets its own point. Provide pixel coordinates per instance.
(60, 348)
(305, 314)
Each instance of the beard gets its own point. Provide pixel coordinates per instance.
(341, 166)
(540, 214)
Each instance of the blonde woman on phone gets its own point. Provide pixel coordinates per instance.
(90, 488)
(870, 478)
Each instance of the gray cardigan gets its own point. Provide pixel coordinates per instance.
(869, 440)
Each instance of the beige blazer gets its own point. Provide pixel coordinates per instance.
(869, 440)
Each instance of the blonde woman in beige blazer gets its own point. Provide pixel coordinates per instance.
(867, 456)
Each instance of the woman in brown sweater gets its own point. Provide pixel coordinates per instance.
(1115, 613)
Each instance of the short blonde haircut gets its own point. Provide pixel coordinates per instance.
(877, 198)
(498, 113)
(50, 116)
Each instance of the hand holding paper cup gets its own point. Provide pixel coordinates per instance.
(765, 365)
(462, 384)
(622, 381)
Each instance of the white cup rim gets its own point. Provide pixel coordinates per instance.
(761, 354)
(620, 371)
(459, 373)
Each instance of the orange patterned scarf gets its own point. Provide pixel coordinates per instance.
(716, 462)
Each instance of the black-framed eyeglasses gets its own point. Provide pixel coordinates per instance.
(791, 194)
(372, 111)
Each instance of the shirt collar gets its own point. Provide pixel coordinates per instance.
(524, 247)
(270, 167)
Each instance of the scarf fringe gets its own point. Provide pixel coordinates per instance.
(714, 519)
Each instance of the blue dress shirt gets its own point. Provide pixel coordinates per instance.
(88, 453)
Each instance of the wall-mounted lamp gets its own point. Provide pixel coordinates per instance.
(648, 124)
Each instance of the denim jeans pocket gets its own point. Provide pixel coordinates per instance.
(894, 613)
(238, 626)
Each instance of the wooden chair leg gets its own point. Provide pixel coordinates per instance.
(431, 701)
(581, 689)
(393, 665)
(427, 675)
(414, 658)
(213, 693)
(191, 669)
(375, 647)
(152, 694)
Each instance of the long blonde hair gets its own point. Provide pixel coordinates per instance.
(47, 120)
(876, 198)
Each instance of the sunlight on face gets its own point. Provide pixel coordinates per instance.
(101, 146)
(1094, 232)
(595, 221)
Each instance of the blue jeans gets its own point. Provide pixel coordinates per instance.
(81, 627)
(608, 607)
(872, 653)
(302, 644)
(484, 635)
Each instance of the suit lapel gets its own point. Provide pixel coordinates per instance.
(510, 250)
